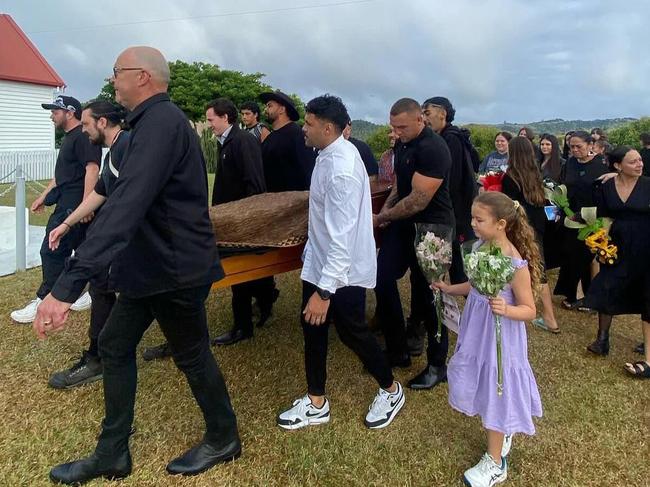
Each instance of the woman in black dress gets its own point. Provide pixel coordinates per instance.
(552, 165)
(579, 174)
(624, 287)
(523, 182)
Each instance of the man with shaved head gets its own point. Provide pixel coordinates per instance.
(155, 233)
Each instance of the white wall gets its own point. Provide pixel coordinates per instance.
(24, 125)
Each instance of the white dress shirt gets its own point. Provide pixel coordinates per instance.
(340, 249)
(222, 138)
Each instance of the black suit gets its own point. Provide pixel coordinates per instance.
(240, 174)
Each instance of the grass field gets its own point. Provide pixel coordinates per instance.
(594, 431)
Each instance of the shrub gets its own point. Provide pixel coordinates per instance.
(628, 134)
(482, 137)
(378, 140)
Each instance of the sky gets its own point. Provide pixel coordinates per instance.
(496, 60)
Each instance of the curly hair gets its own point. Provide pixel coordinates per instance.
(518, 231)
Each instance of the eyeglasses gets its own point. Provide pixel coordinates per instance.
(118, 70)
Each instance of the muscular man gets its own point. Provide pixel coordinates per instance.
(156, 234)
(420, 196)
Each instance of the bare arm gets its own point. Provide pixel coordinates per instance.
(461, 289)
(524, 307)
(423, 189)
(90, 180)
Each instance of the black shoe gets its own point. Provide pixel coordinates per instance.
(88, 369)
(402, 362)
(429, 378)
(92, 467)
(156, 353)
(640, 348)
(600, 346)
(231, 337)
(415, 333)
(267, 311)
(203, 457)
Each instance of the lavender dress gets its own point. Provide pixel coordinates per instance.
(472, 371)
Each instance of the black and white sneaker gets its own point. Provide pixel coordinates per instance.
(304, 413)
(385, 407)
(88, 369)
(486, 473)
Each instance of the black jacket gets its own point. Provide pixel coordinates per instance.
(154, 230)
(240, 172)
(462, 179)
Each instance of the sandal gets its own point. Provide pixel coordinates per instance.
(638, 369)
(539, 323)
(566, 304)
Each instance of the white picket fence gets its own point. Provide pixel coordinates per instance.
(38, 165)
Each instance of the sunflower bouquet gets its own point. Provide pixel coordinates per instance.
(489, 271)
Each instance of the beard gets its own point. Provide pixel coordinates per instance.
(99, 139)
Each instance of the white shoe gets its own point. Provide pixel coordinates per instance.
(82, 303)
(304, 413)
(28, 313)
(507, 445)
(486, 473)
(385, 407)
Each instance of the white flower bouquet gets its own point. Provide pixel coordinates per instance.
(489, 271)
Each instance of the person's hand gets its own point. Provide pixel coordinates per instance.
(88, 218)
(316, 310)
(499, 306)
(51, 315)
(38, 205)
(607, 176)
(440, 286)
(379, 221)
(54, 239)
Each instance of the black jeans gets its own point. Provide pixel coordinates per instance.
(103, 301)
(396, 255)
(242, 295)
(53, 261)
(182, 319)
(348, 310)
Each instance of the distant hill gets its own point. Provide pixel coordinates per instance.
(361, 129)
(558, 125)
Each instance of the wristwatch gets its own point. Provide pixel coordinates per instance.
(324, 294)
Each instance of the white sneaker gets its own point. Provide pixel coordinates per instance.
(304, 413)
(28, 313)
(507, 445)
(82, 303)
(486, 473)
(385, 407)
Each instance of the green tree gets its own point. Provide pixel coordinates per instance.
(628, 134)
(378, 140)
(482, 136)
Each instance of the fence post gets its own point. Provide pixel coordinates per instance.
(21, 240)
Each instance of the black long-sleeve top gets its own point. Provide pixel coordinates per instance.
(240, 172)
(154, 231)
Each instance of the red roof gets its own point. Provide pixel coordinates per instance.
(20, 60)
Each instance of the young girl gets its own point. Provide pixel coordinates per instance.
(472, 371)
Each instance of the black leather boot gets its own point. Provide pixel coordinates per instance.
(92, 467)
(601, 345)
(203, 457)
(429, 378)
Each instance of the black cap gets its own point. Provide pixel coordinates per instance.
(284, 100)
(62, 102)
(442, 102)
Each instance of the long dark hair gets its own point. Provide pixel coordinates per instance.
(554, 164)
(524, 171)
(566, 150)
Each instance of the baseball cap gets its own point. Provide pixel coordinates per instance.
(62, 102)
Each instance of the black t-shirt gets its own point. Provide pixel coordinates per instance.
(111, 167)
(645, 155)
(429, 156)
(288, 162)
(579, 179)
(368, 158)
(76, 151)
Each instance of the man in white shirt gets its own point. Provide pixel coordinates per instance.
(339, 265)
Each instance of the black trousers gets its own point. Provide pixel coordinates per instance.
(53, 261)
(103, 301)
(348, 310)
(182, 319)
(396, 255)
(242, 295)
(575, 267)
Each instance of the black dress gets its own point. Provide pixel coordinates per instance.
(624, 287)
(576, 260)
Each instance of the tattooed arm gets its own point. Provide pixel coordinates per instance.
(423, 189)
